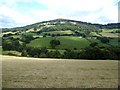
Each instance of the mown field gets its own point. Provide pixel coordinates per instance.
(21, 72)
(107, 34)
(59, 32)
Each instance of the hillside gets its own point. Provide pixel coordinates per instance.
(62, 38)
(61, 21)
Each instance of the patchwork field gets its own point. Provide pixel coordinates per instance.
(23, 72)
(107, 34)
(59, 32)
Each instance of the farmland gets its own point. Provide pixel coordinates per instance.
(55, 39)
(66, 42)
(107, 34)
(21, 72)
(59, 32)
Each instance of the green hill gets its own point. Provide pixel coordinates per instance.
(69, 38)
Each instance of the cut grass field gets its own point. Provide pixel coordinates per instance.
(66, 42)
(108, 34)
(59, 32)
(93, 34)
(109, 30)
(23, 72)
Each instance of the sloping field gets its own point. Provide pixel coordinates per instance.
(107, 34)
(66, 42)
(59, 32)
(19, 72)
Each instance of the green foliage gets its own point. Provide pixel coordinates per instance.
(54, 43)
(93, 44)
(73, 37)
(24, 53)
(11, 45)
(27, 38)
(54, 54)
(104, 39)
(114, 41)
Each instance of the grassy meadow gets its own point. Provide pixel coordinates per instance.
(23, 72)
(66, 42)
(59, 32)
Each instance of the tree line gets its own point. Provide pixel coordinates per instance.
(93, 51)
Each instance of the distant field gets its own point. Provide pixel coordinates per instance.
(108, 34)
(114, 42)
(93, 34)
(66, 42)
(109, 30)
(21, 72)
(59, 32)
(98, 41)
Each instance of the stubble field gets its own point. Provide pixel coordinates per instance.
(21, 72)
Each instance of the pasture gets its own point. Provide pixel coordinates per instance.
(108, 34)
(114, 42)
(66, 42)
(23, 72)
(59, 32)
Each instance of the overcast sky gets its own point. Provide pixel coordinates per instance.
(15, 13)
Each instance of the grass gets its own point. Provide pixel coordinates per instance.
(114, 42)
(73, 42)
(98, 41)
(107, 34)
(11, 53)
(24, 72)
(108, 30)
(69, 42)
(93, 34)
(41, 42)
(29, 33)
(59, 32)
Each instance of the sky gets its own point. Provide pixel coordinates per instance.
(16, 13)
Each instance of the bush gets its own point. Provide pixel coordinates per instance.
(54, 43)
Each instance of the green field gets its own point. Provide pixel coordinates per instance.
(107, 34)
(114, 42)
(59, 32)
(109, 30)
(93, 34)
(22, 72)
(98, 41)
(66, 42)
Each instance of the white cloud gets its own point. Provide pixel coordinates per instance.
(68, 7)
(15, 16)
(95, 11)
